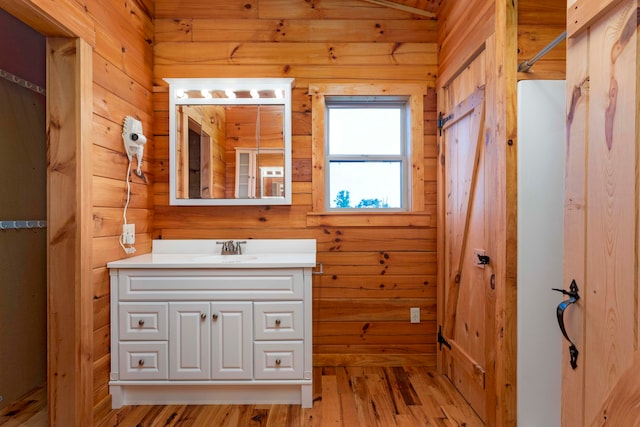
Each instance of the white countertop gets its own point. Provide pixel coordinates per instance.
(205, 253)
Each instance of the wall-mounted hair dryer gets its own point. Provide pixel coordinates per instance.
(134, 140)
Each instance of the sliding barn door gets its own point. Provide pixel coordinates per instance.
(462, 335)
(602, 231)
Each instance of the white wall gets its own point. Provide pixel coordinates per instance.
(541, 157)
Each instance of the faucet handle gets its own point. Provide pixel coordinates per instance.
(227, 247)
(231, 246)
(238, 248)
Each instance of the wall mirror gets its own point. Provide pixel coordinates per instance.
(230, 141)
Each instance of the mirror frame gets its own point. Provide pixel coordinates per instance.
(181, 85)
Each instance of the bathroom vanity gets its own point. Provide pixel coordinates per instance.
(192, 326)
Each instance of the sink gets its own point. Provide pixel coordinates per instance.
(205, 254)
(226, 259)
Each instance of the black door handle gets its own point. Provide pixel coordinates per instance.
(573, 295)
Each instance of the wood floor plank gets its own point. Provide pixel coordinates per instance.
(28, 406)
(330, 401)
(366, 416)
(347, 396)
(348, 413)
(383, 403)
(257, 417)
(402, 384)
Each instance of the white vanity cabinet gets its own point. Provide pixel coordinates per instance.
(193, 333)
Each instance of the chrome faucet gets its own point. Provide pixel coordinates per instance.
(230, 247)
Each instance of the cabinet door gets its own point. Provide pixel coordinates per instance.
(189, 338)
(245, 174)
(231, 344)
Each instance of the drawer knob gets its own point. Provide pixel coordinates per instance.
(140, 322)
(203, 316)
(141, 362)
(278, 362)
(278, 322)
(214, 316)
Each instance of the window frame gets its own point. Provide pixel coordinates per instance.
(414, 185)
(400, 103)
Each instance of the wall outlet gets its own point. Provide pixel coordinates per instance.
(129, 234)
(415, 314)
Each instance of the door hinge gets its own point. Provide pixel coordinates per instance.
(441, 339)
(442, 119)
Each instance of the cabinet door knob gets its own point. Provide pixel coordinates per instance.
(203, 316)
(278, 362)
(140, 322)
(278, 322)
(141, 362)
(214, 316)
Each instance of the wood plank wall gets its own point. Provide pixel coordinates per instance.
(122, 86)
(375, 267)
(462, 31)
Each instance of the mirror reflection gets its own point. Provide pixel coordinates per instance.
(230, 146)
(229, 151)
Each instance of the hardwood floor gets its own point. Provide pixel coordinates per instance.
(343, 396)
(30, 410)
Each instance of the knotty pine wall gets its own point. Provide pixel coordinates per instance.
(122, 70)
(375, 266)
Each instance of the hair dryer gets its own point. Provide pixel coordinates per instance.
(134, 140)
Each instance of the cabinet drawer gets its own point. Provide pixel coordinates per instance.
(144, 361)
(143, 321)
(210, 284)
(275, 360)
(278, 321)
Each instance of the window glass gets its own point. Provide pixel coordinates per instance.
(366, 153)
(364, 130)
(365, 184)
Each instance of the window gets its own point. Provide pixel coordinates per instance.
(339, 156)
(366, 152)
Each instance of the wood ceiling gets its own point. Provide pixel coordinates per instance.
(420, 7)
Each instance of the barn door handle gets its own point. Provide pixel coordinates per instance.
(573, 295)
(483, 259)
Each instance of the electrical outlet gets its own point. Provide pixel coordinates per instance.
(415, 314)
(129, 234)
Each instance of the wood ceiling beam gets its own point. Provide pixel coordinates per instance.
(409, 9)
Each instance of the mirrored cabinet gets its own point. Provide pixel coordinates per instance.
(230, 141)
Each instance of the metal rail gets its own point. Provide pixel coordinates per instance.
(17, 225)
(526, 65)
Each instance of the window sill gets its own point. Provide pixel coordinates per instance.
(370, 219)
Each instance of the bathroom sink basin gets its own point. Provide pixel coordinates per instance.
(226, 259)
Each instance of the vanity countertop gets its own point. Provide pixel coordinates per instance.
(205, 253)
